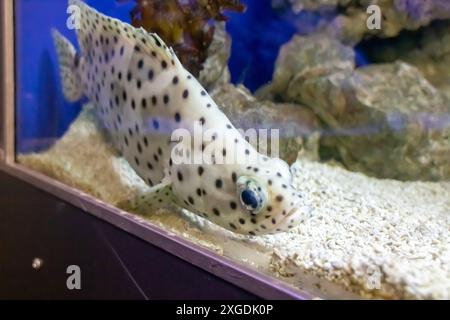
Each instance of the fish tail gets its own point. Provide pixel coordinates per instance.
(68, 64)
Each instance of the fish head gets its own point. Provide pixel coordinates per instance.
(266, 193)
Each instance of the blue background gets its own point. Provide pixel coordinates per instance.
(42, 113)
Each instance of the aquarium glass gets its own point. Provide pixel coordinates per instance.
(336, 115)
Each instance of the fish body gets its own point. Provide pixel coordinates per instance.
(144, 97)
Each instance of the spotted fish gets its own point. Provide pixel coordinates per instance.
(143, 95)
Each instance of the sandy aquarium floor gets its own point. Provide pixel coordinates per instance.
(364, 237)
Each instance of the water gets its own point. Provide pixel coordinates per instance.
(374, 102)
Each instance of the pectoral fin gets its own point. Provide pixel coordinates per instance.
(144, 203)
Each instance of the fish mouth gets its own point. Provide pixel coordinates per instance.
(292, 213)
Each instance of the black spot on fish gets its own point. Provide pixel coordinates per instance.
(158, 43)
(76, 60)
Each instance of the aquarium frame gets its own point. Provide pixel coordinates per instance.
(251, 280)
(7, 150)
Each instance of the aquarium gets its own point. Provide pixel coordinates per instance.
(304, 145)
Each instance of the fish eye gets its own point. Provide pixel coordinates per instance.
(251, 195)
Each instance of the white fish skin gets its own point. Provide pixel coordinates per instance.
(142, 94)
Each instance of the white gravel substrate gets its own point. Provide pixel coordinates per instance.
(379, 237)
(376, 238)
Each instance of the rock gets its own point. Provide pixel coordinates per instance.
(385, 120)
(427, 49)
(303, 58)
(295, 122)
(300, 5)
(397, 15)
(215, 69)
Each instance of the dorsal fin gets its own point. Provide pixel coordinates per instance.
(94, 23)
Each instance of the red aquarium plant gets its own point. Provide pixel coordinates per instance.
(185, 25)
